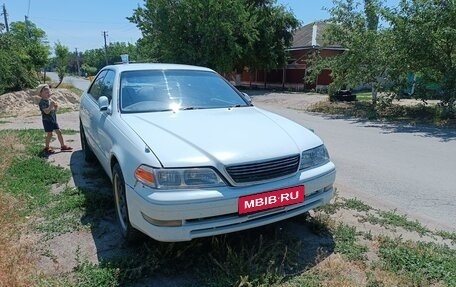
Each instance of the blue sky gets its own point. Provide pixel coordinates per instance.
(80, 24)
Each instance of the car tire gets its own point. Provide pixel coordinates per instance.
(89, 156)
(129, 233)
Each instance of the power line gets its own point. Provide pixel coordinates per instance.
(28, 10)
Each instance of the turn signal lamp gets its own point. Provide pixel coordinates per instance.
(145, 175)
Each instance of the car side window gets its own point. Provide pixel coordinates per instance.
(108, 84)
(97, 86)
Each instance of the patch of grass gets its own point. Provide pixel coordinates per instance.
(372, 218)
(306, 279)
(423, 263)
(93, 275)
(71, 88)
(330, 208)
(16, 266)
(391, 218)
(356, 109)
(65, 211)
(321, 223)
(394, 219)
(260, 257)
(346, 242)
(387, 110)
(356, 204)
(31, 178)
(364, 96)
(447, 235)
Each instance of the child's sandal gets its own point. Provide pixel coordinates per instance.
(65, 148)
(48, 150)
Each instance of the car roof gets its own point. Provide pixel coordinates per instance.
(155, 66)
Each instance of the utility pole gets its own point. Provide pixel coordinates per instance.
(105, 34)
(27, 26)
(5, 15)
(77, 61)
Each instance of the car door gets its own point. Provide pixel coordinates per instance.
(104, 124)
(90, 111)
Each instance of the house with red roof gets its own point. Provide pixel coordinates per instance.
(307, 40)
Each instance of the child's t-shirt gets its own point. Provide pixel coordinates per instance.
(44, 104)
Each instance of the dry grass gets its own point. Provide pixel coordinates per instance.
(337, 271)
(16, 267)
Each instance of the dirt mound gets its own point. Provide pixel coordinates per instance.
(25, 103)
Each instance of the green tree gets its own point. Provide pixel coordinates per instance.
(425, 35)
(23, 53)
(223, 35)
(62, 60)
(16, 72)
(96, 57)
(213, 33)
(366, 60)
(33, 40)
(274, 26)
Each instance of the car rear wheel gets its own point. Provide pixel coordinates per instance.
(89, 156)
(129, 233)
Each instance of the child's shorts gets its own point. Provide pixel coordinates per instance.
(50, 126)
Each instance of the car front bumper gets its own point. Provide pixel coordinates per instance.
(208, 212)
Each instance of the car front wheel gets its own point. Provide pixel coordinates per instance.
(129, 233)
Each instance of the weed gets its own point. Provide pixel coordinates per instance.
(390, 219)
(423, 263)
(356, 204)
(387, 110)
(346, 242)
(31, 178)
(66, 210)
(16, 267)
(93, 275)
(447, 235)
(398, 220)
(71, 88)
(321, 223)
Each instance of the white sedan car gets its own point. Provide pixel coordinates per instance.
(190, 156)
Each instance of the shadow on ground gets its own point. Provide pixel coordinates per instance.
(281, 250)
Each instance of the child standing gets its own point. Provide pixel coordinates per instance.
(48, 112)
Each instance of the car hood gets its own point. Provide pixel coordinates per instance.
(214, 137)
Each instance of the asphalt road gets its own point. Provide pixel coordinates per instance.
(411, 169)
(79, 82)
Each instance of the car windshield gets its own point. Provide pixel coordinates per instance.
(171, 90)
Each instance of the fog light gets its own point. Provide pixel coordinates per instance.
(164, 223)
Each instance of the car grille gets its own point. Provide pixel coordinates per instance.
(264, 170)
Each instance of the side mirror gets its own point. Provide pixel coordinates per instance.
(103, 103)
(247, 98)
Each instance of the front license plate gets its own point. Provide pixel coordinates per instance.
(271, 199)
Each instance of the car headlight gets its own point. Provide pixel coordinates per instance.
(178, 178)
(314, 157)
